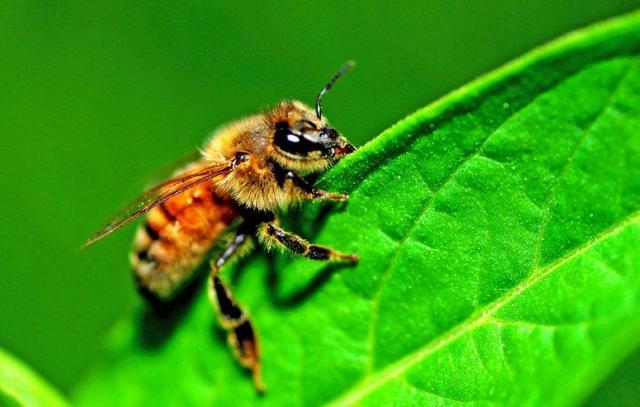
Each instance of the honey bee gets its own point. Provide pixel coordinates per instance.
(247, 171)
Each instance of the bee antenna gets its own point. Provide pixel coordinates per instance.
(334, 78)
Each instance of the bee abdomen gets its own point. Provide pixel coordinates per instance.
(175, 239)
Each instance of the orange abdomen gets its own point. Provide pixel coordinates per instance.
(177, 236)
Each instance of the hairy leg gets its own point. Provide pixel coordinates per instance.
(302, 188)
(272, 235)
(240, 331)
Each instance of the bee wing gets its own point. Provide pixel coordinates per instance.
(169, 169)
(157, 195)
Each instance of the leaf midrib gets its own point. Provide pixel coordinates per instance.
(478, 318)
(426, 209)
(477, 151)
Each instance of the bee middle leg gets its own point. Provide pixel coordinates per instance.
(272, 234)
(241, 334)
(308, 191)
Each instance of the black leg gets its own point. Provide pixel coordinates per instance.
(301, 188)
(240, 332)
(271, 234)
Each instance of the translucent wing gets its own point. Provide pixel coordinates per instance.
(168, 170)
(157, 195)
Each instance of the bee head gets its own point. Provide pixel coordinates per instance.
(302, 137)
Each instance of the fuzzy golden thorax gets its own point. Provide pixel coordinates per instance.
(289, 137)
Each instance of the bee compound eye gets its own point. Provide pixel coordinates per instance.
(288, 141)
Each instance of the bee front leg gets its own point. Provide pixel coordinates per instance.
(241, 334)
(307, 191)
(272, 235)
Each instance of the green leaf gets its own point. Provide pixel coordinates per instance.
(21, 386)
(621, 387)
(499, 236)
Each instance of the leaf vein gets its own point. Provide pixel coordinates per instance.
(607, 267)
(477, 319)
(584, 135)
(387, 271)
(477, 152)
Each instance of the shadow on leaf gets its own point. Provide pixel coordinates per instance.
(160, 318)
(303, 293)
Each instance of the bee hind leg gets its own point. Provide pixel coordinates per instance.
(272, 235)
(241, 334)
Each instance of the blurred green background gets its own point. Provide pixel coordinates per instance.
(95, 96)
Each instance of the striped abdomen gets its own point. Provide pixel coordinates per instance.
(176, 237)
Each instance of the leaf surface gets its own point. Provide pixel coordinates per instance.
(499, 236)
(20, 386)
